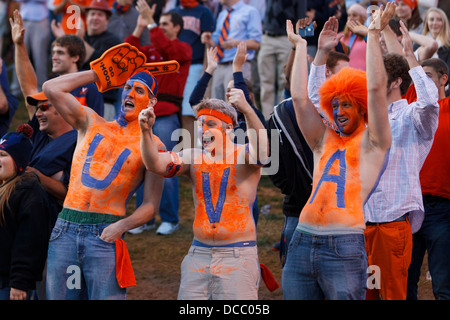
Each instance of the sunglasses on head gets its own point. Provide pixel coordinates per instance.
(44, 107)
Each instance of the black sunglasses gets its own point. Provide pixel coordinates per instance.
(44, 107)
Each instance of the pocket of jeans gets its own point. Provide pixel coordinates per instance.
(104, 241)
(56, 232)
(349, 249)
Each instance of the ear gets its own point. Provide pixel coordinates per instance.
(396, 83)
(443, 80)
(328, 72)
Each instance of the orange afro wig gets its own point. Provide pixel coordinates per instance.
(349, 84)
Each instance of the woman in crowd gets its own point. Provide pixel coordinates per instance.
(24, 219)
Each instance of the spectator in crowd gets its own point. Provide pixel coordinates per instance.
(394, 211)
(222, 262)
(165, 46)
(274, 50)
(106, 171)
(238, 22)
(433, 236)
(437, 26)
(68, 54)
(70, 17)
(53, 138)
(331, 224)
(24, 218)
(353, 38)
(408, 12)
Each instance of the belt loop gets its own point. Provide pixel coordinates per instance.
(236, 252)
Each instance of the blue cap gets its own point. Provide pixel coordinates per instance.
(147, 80)
(19, 146)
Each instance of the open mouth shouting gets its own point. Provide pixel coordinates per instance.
(128, 105)
(342, 121)
(207, 140)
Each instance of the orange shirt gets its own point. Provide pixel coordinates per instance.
(335, 204)
(435, 173)
(68, 18)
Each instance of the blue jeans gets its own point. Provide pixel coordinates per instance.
(433, 237)
(168, 208)
(80, 265)
(331, 267)
(290, 223)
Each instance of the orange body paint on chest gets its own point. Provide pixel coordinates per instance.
(107, 168)
(335, 201)
(223, 210)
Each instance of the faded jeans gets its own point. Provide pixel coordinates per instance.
(332, 267)
(80, 265)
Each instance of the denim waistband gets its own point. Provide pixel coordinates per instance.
(241, 244)
(82, 217)
(316, 238)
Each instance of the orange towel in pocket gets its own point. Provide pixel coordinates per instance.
(124, 270)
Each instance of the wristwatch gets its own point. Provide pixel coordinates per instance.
(151, 26)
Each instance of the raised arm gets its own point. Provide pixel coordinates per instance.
(58, 89)
(24, 69)
(166, 164)
(256, 132)
(328, 40)
(308, 119)
(426, 108)
(379, 129)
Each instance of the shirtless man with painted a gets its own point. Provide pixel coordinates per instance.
(222, 262)
(327, 258)
(107, 169)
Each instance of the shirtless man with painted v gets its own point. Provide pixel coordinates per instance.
(107, 169)
(224, 179)
(347, 166)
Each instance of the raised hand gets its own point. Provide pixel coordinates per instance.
(329, 37)
(145, 11)
(237, 99)
(293, 37)
(17, 29)
(147, 119)
(240, 57)
(211, 59)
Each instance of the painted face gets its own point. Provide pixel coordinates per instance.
(7, 167)
(135, 98)
(345, 115)
(211, 132)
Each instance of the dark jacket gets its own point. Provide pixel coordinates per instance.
(24, 236)
(294, 175)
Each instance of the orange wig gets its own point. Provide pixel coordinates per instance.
(349, 84)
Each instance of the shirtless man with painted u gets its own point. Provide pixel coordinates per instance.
(222, 262)
(327, 257)
(85, 249)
